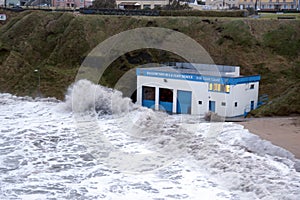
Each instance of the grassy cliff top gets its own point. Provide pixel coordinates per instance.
(56, 43)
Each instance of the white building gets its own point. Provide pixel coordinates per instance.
(141, 4)
(186, 88)
(222, 4)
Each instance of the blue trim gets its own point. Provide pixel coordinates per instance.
(212, 106)
(184, 102)
(198, 77)
(148, 103)
(166, 106)
(243, 115)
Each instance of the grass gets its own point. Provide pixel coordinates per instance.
(285, 40)
(57, 43)
(275, 16)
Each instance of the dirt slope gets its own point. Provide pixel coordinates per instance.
(56, 44)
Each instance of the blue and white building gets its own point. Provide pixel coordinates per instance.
(195, 89)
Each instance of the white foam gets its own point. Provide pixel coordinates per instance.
(84, 96)
(46, 153)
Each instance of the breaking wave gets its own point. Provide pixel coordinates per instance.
(84, 96)
(44, 154)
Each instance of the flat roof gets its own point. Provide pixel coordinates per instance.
(203, 69)
(199, 72)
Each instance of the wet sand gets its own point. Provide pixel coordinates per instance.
(281, 131)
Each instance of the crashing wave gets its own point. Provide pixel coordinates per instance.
(84, 96)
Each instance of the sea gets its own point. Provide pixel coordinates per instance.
(98, 145)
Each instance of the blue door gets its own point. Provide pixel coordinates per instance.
(252, 105)
(148, 97)
(212, 106)
(166, 100)
(184, 102)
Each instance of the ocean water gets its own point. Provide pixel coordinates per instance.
(98, 145)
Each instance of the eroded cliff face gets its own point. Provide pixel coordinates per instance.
(56, 43)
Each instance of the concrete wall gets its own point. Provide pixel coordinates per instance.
(12, 2)
(70, 3)
(220, 4)
(241, 93)
(266, 4)
(199, 91)
(144, 3)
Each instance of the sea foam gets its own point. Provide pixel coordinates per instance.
(84, 96)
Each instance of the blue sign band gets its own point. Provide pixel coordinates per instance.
(198, 77)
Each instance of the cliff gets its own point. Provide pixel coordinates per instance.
(56, 43)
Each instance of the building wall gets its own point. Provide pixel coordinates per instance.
(241, 93)
(12, 2)
(199, 91)
(70, 3)
(269, 4)
(222, 4)
(144, 3)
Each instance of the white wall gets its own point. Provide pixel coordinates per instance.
(199, 91)
(243, 95)
(152, 3)
(219, 97)
(240, 93)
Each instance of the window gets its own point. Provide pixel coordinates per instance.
(148, 93)
(165, 95)
(200, 102)
(235, 104)
(216, 87)
(227, 88)
(147, 6)
(222, 87)
(223, 104)
(252, 86)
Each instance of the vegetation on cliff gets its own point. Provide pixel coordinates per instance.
(56, 43)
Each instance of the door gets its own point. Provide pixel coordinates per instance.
(212, 106)
(148, 97)
(252, 105)
(166, 100)
(184, 102)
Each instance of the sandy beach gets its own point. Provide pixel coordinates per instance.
(281, 131)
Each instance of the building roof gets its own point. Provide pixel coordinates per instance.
(130, 3)
(203, 69)
(199, 72)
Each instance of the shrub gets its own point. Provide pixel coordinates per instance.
(204, 13)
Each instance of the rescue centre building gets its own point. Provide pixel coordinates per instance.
(186, 88)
